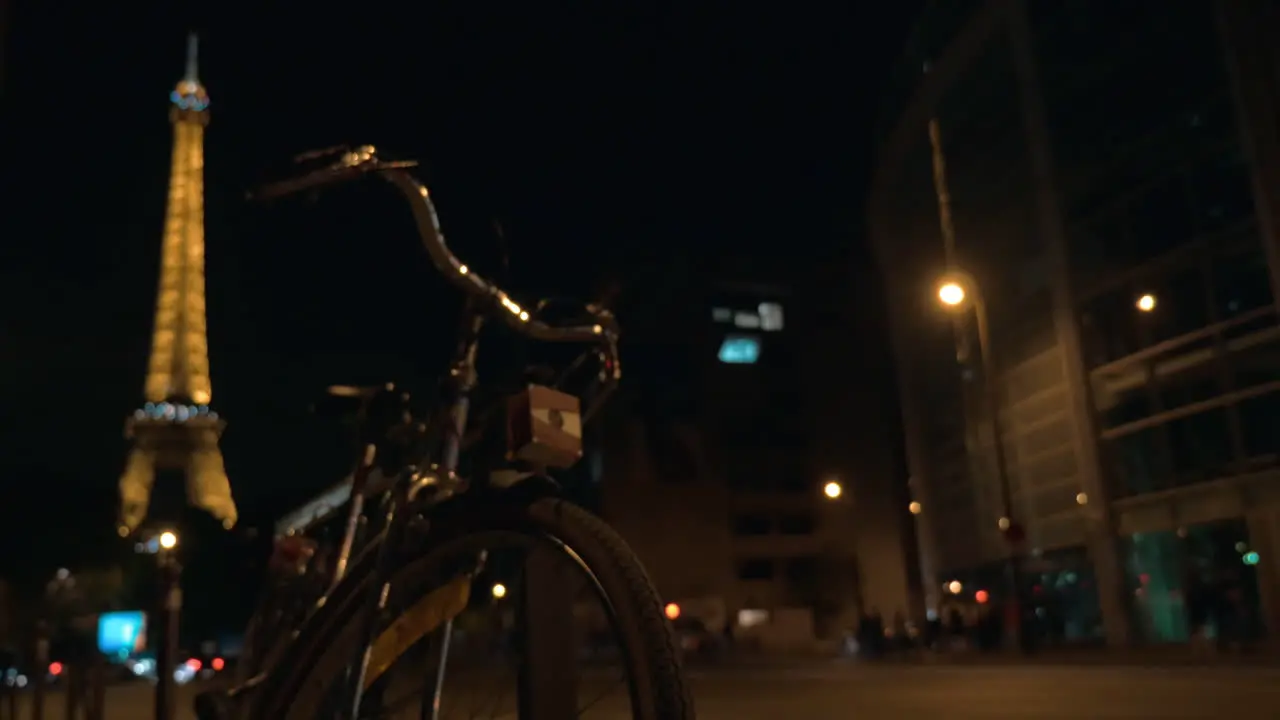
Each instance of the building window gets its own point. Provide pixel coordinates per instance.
(1201, 446)
(770, 317)
(796, 525)
(751, 617)
(1139, 462)
(756, 569)
(752, 525)
(803, 571)
(1241, 282)
(746, 320)
(1223, 193)
(767, 316)
(1260, 417)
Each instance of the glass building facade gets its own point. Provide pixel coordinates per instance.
(1111, 175)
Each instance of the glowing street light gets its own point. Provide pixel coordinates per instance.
(499, 591)
(168, 540)
(954, 587)
(833, 490)
(951, 293)
(915, 507)
(1146, 303)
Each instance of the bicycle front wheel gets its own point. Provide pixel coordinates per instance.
(460, 606)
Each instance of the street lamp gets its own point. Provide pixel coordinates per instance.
(833, 490)
(170, 619)
(951, 293)
(1146, 303)
(499, 591)
(957, 291)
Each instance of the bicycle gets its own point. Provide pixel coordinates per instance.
(405, 568)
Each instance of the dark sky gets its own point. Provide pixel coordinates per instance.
(605, 136)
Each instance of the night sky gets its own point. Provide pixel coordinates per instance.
(605, 141)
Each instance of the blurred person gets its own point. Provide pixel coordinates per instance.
(902, 640)
(1230, 611)
(933, 632)
(871, 634)
(957, 628)
(1199, 613)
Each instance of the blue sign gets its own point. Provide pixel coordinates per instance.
(122, 633)
(740, 350)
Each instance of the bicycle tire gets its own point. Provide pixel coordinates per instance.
(645, 636)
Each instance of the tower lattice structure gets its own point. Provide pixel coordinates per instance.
(175, 429)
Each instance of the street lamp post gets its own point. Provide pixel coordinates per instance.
(170, 615)
(957, 290)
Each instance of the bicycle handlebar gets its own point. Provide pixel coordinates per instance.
(355, 164)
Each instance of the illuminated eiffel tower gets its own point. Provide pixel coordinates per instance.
(175, 429)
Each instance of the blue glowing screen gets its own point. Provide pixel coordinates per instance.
(740, 350)
(122, 633)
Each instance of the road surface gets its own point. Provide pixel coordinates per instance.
(847, 692)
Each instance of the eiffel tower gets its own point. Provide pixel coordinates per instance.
(175, 429)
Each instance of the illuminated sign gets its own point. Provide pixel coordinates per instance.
(122, 633)
(740, 350)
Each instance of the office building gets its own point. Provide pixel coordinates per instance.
(737, 430)
(1111, 170)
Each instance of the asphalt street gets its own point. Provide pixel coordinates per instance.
(969, 693)
(849, 692)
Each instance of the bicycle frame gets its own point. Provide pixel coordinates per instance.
(435, 478)
(436, 473)
(440, 476)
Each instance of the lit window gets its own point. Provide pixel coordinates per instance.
(770, 317)
(751, 617)
(740, 350)
(721, 314)
(746, 320)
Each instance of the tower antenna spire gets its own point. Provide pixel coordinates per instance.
(193, 51)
